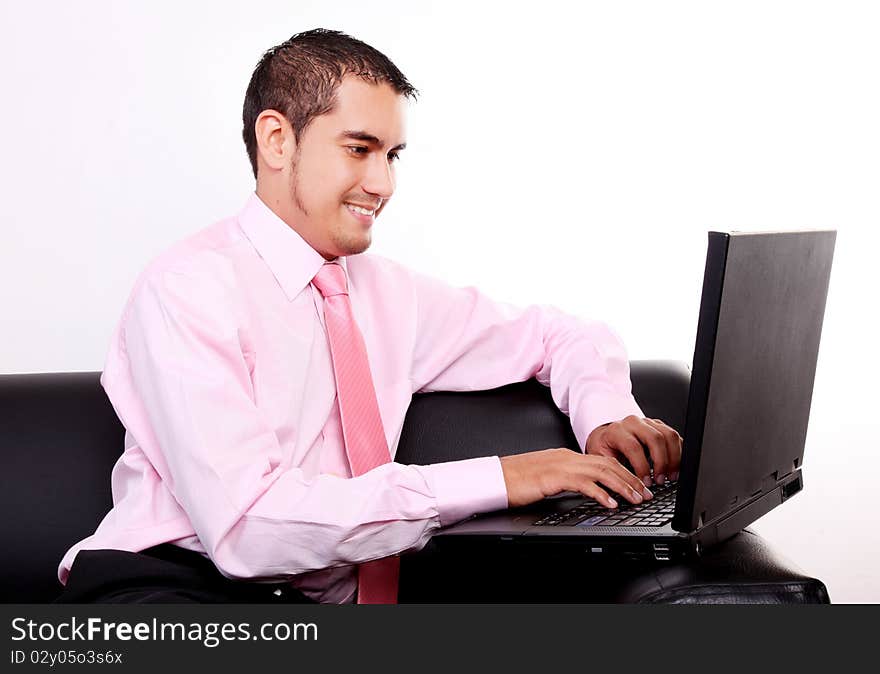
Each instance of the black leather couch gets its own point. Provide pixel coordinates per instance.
(59, 438)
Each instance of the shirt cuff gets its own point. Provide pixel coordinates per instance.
(465, 488)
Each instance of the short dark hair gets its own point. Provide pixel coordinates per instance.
(300, 77)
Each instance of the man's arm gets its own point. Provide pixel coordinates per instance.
(465, 341)
(181, 385)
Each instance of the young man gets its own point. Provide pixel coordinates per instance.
(263, 368)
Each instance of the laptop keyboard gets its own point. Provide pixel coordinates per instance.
(653, 513)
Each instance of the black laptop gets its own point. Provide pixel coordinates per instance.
(758, 334)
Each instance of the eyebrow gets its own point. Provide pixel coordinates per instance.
(367, 137)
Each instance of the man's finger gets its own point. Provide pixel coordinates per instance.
(628, 444)
(653, 439)
(673, 445)
(613, 475)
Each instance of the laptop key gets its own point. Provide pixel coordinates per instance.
(573, 518)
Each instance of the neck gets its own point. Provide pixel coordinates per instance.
(281, 207)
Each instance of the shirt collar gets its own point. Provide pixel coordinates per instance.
(292, 260)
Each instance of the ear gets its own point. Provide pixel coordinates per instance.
(275, 144)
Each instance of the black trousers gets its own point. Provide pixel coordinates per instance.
(164, 574)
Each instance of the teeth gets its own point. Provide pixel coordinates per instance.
(358, 209)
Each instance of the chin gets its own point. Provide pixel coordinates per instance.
(354, 247)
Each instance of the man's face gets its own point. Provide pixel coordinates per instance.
(347, 159)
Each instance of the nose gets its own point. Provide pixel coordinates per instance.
(379, 179)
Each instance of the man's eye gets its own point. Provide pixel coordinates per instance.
(362, 150)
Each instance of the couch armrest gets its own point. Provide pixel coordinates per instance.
(742, 570)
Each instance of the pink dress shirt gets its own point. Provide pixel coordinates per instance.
(220, 371)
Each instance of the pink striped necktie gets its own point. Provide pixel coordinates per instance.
(362, 430)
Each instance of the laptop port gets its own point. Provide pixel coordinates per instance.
(662, 552)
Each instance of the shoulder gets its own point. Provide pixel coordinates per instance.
(196, 271)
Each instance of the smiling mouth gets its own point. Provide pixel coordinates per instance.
(360, 210)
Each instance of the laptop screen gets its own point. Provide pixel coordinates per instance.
(757, 342)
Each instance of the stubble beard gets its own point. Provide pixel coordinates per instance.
(348, 244)
(294, 183)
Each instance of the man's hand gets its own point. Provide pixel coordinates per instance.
(634, 438)
(535, 475)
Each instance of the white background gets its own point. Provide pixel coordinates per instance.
(566, 153)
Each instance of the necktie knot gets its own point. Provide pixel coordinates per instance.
(330, 280)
